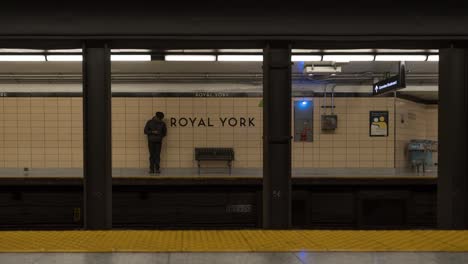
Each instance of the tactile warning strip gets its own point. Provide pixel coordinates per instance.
(232, 241)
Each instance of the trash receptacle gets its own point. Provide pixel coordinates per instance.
(420, 153)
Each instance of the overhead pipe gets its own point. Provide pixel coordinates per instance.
(142, 77)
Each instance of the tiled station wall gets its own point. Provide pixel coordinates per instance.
(350, 145)
(131, 114)
(47, 132)
(41, 132)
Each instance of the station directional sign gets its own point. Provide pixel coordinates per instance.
(388, 85)
(391, 84)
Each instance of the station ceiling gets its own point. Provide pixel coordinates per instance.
(355, 74)
(209, 67)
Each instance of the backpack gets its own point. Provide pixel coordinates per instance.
(158, 127)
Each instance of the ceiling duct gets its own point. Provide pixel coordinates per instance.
(325, 74)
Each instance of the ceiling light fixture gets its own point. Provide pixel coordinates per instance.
(348, 58)
(400, 57)
(25, 51)
(64, 51)
(116, 51)
(306, 58)
(130, 57)
(22, 58)
(64, 58)
(433, 58)
(190, 58)
(240, 57)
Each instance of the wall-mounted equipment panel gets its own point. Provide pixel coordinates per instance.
(329, 122)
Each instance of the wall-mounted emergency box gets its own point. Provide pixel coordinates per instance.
(303, 121)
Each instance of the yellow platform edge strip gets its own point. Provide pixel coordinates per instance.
(233, 241)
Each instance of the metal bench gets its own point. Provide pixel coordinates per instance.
(214, 154)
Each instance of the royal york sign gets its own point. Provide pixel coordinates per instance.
(212, 122)
(209, 94)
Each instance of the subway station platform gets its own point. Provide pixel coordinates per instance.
(248, 246)
(216, 172)
(238, 257)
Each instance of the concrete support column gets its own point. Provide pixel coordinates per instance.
(277, 136)
(452, 205)
(97, 136)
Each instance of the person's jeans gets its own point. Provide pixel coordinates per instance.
(155, 154)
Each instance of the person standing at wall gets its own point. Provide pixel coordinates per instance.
(156, 130)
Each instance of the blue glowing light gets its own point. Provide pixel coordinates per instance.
(304, 103)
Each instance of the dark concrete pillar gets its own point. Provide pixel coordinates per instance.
(97, 136)
(277, 136)
(453, 144)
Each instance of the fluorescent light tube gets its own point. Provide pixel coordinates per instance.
(240, 51)
(64, 58)
(348, 58)
(433, 58)
(240, 57)
(306, 58)
(22, 58)
(305, 50)
(130, 50)
(190, 58)
(130, 57)
(25, 51)
(400, 57)
(65, 51)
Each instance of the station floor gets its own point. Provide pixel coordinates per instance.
(246, 246)
(236, 172)
(232, 258)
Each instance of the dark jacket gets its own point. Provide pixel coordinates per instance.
(155, 129)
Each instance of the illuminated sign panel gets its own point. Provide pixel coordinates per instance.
(388, 85)
(391, 84)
